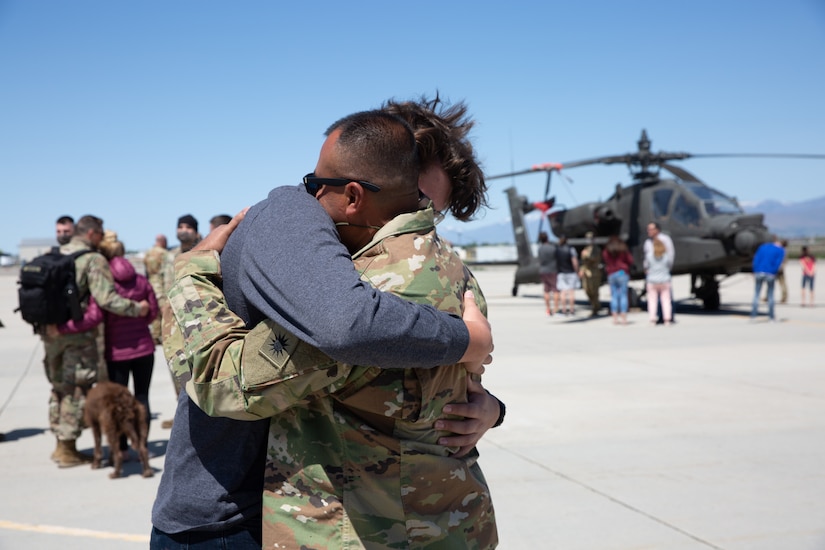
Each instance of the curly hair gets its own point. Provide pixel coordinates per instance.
(441, 132)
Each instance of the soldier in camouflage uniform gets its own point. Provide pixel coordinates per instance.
(590, 273)
(358, 463)
(154, 261)
(188, 236)
(71, 360)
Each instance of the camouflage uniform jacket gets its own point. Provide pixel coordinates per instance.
(94, 278)
(71, 359)
(155, 260)
(591, 258)
(357, 464)
(167, 270)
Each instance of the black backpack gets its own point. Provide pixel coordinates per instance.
(48, 292)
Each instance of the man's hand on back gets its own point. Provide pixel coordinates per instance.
(217, 238)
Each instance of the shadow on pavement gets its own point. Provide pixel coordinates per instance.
(22, 433)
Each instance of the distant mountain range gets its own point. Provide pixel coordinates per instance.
(798, 219)
(788, 220)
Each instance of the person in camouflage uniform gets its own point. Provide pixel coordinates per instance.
(378, 478)
(154, 262)
(71, 360)
(590, 273)
(188, 236)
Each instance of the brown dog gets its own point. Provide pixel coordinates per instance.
(112, 409)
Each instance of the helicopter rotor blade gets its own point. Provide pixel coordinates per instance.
(680, 173)
(644, 159)
(546, 167)
(630, 158)
(761, 155)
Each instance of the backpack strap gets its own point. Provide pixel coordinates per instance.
(79, 253)
(75, 256)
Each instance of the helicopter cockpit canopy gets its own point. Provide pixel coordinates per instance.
(714, 201)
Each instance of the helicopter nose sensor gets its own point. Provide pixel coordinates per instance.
(745, 242)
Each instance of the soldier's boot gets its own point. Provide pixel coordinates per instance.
(68, 455)
(56, 452)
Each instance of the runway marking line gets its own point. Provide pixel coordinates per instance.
(72, 531)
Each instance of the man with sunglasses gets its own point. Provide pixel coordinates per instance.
(359, 438)
(211, 487)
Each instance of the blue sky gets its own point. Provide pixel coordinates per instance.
(140, 112)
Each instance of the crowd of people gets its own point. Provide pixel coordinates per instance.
(659, 254)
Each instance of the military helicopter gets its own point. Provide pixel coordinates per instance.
(711, 233)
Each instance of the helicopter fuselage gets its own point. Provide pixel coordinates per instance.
(711, 234)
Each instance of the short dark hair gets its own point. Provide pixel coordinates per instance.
(442, 133)
(378, 147)
(220, 219)
(88, 222)
(65, 219)
(543, 238)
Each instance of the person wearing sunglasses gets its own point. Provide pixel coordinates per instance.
(381, 228)
(211, 486)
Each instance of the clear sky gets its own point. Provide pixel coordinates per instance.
(140, 112)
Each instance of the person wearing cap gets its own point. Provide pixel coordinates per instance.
(188, 236)
(590, 272)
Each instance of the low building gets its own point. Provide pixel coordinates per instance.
(32, 248)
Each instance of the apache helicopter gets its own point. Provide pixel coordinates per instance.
(711, 233)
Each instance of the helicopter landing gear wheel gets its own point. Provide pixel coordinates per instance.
(708, 292)
(712, 301)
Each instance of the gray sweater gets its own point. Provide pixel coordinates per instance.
(657, 269)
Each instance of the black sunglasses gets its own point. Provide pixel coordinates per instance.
(313, 183)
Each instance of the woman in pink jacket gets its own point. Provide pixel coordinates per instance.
(129, 344)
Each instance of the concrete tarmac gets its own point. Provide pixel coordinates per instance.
(706, 434)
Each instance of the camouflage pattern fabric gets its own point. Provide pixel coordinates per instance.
(168, 265)
(353, 459)
(591, 275)
(154, 262)
(197, 316)
(168, 278)
(71, 364)
(94, 277)
(72, 361)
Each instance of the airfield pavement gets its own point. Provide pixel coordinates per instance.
(706, 434)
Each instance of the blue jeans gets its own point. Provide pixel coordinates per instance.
(240, 539)
(768, 279)
(618, 291)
